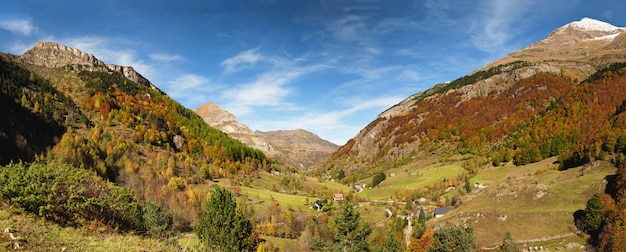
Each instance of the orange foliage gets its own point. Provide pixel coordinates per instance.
(421, 244)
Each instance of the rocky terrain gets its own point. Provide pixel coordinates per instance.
(54, 55)
(298, 148)
(227, 123)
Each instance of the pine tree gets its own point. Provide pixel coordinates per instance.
(592, 220)
(454, 238)
(508, 245)
(351, 234)
(222, 227)
(422, 216)
(156, 220)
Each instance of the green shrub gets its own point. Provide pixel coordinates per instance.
(68, 195)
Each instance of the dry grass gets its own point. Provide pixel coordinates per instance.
(531, 205)
(35, 234)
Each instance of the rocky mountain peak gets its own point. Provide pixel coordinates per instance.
(54, 55)
(298, 148)
(583, 30)
(221, 119)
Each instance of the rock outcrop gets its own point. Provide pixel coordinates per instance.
(54, 55)
(221, 119)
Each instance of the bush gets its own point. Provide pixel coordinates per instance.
(68, 195)
(379, 177)
(156, 221)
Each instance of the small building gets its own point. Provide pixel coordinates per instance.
(480, 186)
(421, 200)
(318, 205)
(359, 187)
(339, 196)
(441, 211)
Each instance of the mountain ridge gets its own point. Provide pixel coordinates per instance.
(379, 141)
(54, 55)
(298, 148)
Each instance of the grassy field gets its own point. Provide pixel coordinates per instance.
(533, 202)
(35, 234)
(410, 179)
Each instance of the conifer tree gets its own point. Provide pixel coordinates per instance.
(222, 227)
(351, 233)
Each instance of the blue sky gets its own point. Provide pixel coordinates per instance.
(329, 67)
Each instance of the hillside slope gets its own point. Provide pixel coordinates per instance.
(481, 112)
(77, 110)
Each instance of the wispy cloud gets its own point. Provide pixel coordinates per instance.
(242, 60)
(270, 86)
(269, 89)
(165, 57)
(18, 26)
(498, 22)
(190, 88)
(334, 125)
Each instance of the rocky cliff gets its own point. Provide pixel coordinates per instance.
(54, 55)
(221, 119)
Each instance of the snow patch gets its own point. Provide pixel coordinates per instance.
(596, 25)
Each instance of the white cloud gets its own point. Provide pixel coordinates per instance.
(269, 89)
(189, 81)
(498, 22)
(165, 57)
(241, 61)
(332, 125)
(190, 88)
(20, 26)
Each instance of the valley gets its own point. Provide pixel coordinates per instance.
(526, 152)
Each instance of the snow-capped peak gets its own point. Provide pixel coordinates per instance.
(596, 25)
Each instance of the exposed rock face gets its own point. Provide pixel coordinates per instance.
(221, 119)
(54, 55)
(130, 73)
(298, 148)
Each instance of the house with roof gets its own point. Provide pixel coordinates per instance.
(441, 211)
(339, 196)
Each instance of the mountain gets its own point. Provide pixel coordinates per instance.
(297, 148)
(463, 112)
(518, 146)
(107, 140)
(528, 144)
(49, 54)
(586, 41)
(226, 122)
